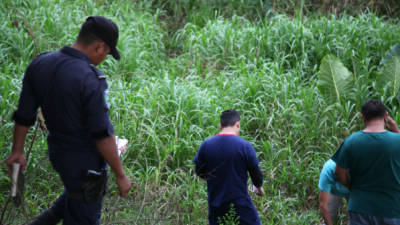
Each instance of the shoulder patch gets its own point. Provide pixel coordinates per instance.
(99, 74)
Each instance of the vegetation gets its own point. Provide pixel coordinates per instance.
(179, 69)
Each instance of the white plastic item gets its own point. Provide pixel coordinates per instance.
(121, 145)
(14, 178)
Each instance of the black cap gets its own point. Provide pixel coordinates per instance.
(106, 30)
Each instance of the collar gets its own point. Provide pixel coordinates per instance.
(224, 134)
(75, 53)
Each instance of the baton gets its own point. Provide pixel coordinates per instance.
(14, 179)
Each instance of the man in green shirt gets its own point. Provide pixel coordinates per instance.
(368, 163)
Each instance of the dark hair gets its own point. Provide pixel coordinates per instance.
(86, 37)
(229, 118)
(373, 109)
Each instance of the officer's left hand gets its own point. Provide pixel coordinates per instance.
(124, 185)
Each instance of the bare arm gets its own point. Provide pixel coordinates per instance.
(108, 149)
(342, 176)
(17, 154)
(323, 207)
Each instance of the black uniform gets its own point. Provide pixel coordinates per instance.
(72, 94)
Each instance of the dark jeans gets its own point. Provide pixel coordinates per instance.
(365, 219)
(244, 210)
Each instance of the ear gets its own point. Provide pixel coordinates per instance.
(238, 124)
(362, 117)
(98, 46)
(220, 127)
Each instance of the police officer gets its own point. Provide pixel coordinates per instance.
(72, 93)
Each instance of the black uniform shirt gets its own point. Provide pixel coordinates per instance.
(72, 94)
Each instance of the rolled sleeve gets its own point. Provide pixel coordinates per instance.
(26, 112)
(96, 108)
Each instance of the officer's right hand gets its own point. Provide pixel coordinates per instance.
(16, 158)
(124, 185)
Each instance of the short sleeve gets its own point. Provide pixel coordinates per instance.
(96, 108)
(251, 157)
(341, 156)
(325, 183)
(25, 114)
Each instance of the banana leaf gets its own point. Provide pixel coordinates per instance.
(394, 51)
(334, 79)
(390, 77)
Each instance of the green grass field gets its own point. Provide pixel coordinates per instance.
(178, 71)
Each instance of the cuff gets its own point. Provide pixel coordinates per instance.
(104, 133)
(23, 121)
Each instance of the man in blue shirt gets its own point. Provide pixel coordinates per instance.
(331, 193)
(224, 161)
(72, 94)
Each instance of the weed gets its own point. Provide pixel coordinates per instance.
(172, 83)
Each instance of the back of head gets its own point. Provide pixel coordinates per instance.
(373, 109)
(229, 118)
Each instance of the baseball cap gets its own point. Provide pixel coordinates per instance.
(106, 30)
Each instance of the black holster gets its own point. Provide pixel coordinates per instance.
(95, 186)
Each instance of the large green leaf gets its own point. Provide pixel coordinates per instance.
(394, 51)
(390, 76)
(334, 79)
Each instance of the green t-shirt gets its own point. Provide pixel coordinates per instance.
(373, 161)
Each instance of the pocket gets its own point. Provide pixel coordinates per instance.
(95, 189)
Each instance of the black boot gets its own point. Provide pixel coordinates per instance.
(47, 217)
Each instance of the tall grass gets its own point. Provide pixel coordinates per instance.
(173, 81)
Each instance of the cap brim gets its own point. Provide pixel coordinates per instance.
(114, 52)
